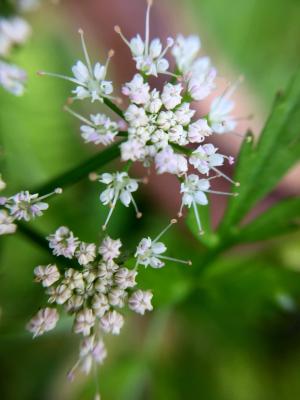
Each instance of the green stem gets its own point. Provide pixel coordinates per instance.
(79, 172)
(113, 107)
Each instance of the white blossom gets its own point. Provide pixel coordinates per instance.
(184, 114)
(148, 56)
(169, 161)
(84, 321)
(185, 51)
(91, 350)
(12, 78)
(45, 320)
(90, 80)
(201, 82)
(119, 187)
(101, 130)
(219, 116)
(6, 223)
(125, 278)
(133, 150)
(140, 301)
(171, 96)
(137, 90)
(205, 158)
(100, 304)
(13, 31)
(48, 274)
(63, 242)
(148, 251)
(117, 297)
(112, 322)
(198, 131)
(110, 249)
(136, 116)
(86, 253)
(154, 104)
(25, 206)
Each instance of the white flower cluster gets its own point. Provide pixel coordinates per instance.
(161, 128)
(14, 31)
(94, 293)
(22, 206)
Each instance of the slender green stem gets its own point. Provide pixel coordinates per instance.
(113, 107)
(82, 170)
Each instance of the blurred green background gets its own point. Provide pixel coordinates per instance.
(238, 336)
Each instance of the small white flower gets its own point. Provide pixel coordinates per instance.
(84, 322)
(155, 103)
(198, 131)
(100, 304)
(125, 278)
(101, 130)
(45, 320)
(137, 90)
(171, 95)
(160, 139)
(63, 242)
(48, 274)
(12, 78)
(205, 158)
(166, 119)
(74, 303)
(219, 116)
(140, 301)
(91, 350)
(117, 297)
(61, 294)
(136, 116)
(133, 150)
(120, 186)
(13, 31)
(202, 79)
(178, 135)
(168, 161)
(74, 279)
(110, 249)
(184, 114)
(193, 190)
(185, 50)
(112, 322)
(86, 253)
(149, 56)
(6, 223)
(148, 251)
(25, 206)
(90, 80)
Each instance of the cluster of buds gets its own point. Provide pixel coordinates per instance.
(160, 125)
(14, 32)
(22, 206)
(95, 290)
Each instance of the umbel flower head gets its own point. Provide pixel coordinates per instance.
(149, 56)
(90, 80)
(94, 294)
(22, 206)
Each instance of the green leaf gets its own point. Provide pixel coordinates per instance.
(278, 149)
(282, 218)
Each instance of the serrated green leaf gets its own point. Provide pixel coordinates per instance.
(276, 152)
(282, 218)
